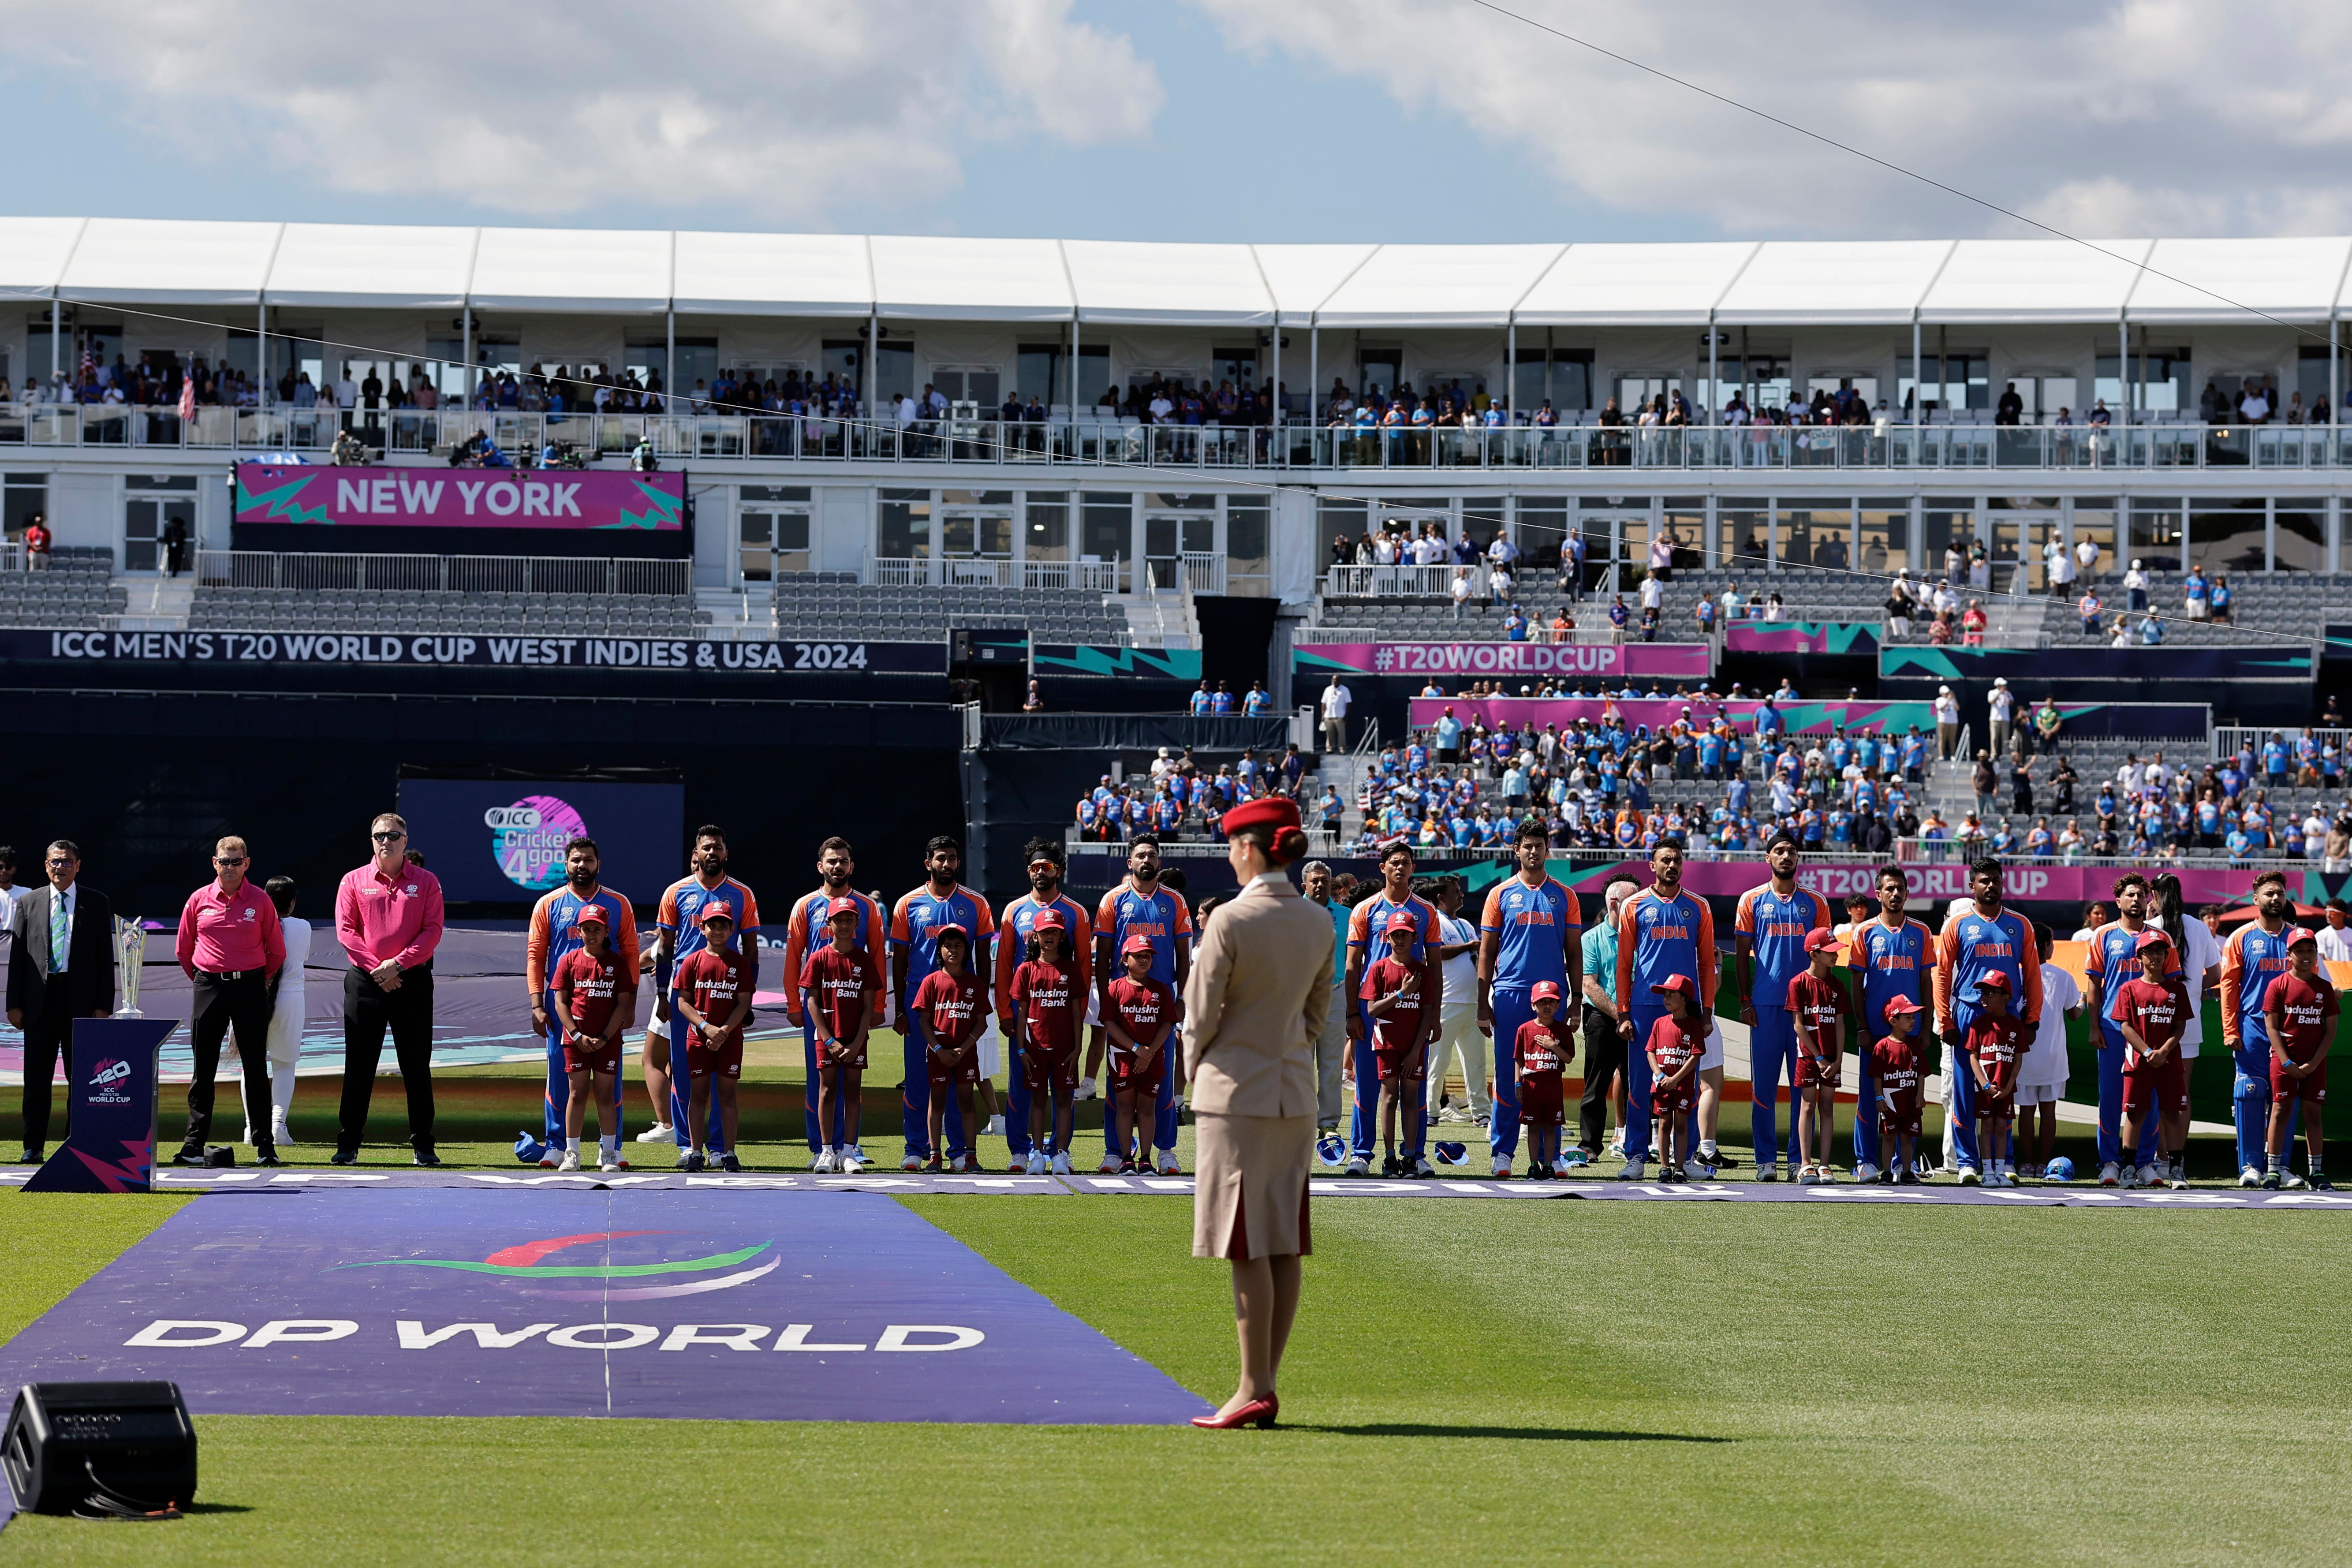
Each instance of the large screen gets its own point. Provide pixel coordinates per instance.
(501, 841)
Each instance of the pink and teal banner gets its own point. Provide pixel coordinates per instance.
(1800, 637)
(1657, 712)
(284, 495)
(1482, 661)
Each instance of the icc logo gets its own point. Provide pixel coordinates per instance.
(500, 818)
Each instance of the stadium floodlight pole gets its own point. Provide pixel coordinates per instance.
(670, 356)
(873, 369)
(1314, 364)
(56, 328)
(1511, 365)
(1714, 373)
(1919, 386)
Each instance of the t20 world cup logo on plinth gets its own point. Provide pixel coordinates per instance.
(528, 840)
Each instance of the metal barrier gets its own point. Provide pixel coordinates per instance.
(450, 573)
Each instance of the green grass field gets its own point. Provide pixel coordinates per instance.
(1594, 1383)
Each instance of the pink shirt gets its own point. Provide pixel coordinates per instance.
(227, 933)
(379, 916)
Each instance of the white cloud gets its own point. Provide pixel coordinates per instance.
(778, 110)
(2134, 116)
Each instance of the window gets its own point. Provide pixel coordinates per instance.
(1377, 370)
(774, 528)
(1739, 532)
(1638, 387)
(1106, 527)
(1037, 373)
(2154, 540)
(1686, 525)
(1094, 373)
(2226, 535)
(1885, 527)
(1540, 528)
(2311, 380)
(1944, 522)
(26, 498)
(1238, 365)
(844, 361)
(2094, 519)
(1247, 531)
(906, 525)
(1570, 385)
(1960, 378)
(976, 524)
(1814, 536)
(151, 504)
(1048, 522)
(646, 356)
(2301, 534)
(1761, 379)
(978, 383)
(2162, 381)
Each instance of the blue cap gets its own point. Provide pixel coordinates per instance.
(529, 1149)
(1331, 1150)
(2060, 1169)
(1452, 1154)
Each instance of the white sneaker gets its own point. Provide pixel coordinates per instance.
(2249, 1177)
(1085, 1089)
(279, 1133)
(1168, 1165)
(825, 1163)
(1633, 1172)
(995, 1128)
(550, 1157)
(2127, 1181)
(1866, 1172)
(609, 1159)
(1060, 1167)
(1559, 1166)
(570, 1161)
(1502, 1167)
(1109, 1166)
(911, 1162)
(1968, 1177)
(1037, 1162)
(2295, 1183)
(1617, 1145)
(2151, 1175)
(853, 1160)
(2109, 1175)
(1360, 1166)
(659, 1133)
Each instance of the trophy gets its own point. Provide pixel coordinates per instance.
(130, 956)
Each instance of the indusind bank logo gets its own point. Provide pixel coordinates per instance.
(528, 837)
(526, 1269)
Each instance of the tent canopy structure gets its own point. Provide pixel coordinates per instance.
(1364, 286)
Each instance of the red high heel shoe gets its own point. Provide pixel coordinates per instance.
(1257, 1413)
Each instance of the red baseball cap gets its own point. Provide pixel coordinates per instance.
(591, 914)
(716, 912)
(1900, 1005)
(1819, 938)
(2298, 937)
(1139, 943)
(1051, 920)
(845, 905)
(1997, 980)
(950, 929)
(1402, 921)
(1545, 990)
(2154, 938)
(1681, 983)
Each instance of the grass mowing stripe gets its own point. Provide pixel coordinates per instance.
(54, 1241)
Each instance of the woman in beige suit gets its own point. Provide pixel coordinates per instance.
(1253, 1007)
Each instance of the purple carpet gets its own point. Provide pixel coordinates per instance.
(778, 1306)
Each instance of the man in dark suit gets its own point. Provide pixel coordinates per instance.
(60, 968)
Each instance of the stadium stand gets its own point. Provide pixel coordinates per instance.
(396, 610)
(836, 604)
(76, 590)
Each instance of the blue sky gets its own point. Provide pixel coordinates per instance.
(1429, 121)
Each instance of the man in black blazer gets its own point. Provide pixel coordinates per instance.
(60, 968)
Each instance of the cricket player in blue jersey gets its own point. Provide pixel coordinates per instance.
(1140, 906)
(1368, 925)
(1768, 946)
(915, 923)
(1891, 956)
(1661, 931)
(1044, 860)
(2112, 964)
(679, 916)
(807, 927)
(1532, 930)
(1976, 941)
(2252, 960)
(553, 935)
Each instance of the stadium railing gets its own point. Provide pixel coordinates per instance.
(1751, 448)
(452, 573)
(952, 571)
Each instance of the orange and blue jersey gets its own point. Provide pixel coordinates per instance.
(553, 937)
(1658, 937)
(1019, 921)
(1535, 929)
(1775, 928)
(1368, 926)
(915, 921)
(680, 914)
(808, 928)
(1973, 945)
(2252, 960)
(1160, 916)
(1893, 962)
(2113, 963)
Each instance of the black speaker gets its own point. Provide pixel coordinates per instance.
(112, 1447)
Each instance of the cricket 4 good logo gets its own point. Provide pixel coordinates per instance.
(528, 840)
(522, 1269)
(111, 1072)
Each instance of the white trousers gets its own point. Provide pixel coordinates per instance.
(1458, 1035)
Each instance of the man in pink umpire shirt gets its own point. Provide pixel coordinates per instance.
(231, 946)
(388, 918)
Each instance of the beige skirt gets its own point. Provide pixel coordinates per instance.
(1249, 1195)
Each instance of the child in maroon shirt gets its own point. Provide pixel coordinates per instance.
(595, 1001)
(1677, 1044)
(1393, 1001)
(1817, 1005)
(1142, 1016)
(1045, 988)
(1543, 1050)
(714, 1000)
(949, 1002)
(1894, 1063)
(844, 987)
(1996, 1044)
(2300, 1009)
(2152, 1014)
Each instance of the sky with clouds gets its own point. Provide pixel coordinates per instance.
(1427, 121)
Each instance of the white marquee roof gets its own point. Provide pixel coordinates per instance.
(1364, 286)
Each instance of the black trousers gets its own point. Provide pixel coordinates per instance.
(368, 1011)
(48, 1034)
(222, 1005)
(1605, 1059)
